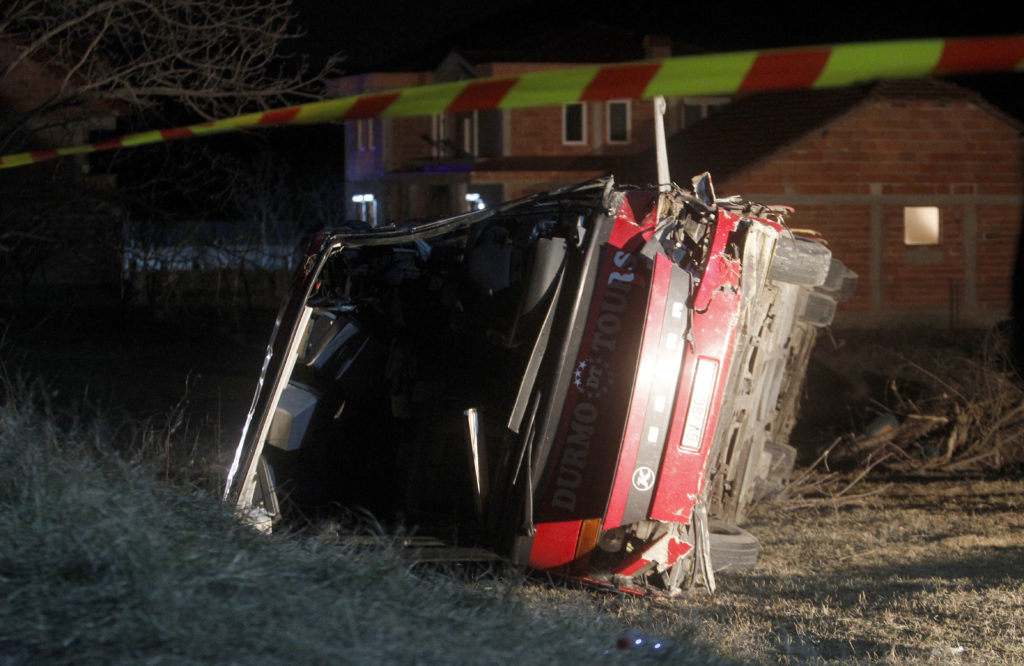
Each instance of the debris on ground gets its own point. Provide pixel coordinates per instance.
(970, 421)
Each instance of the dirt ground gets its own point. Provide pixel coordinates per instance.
(923, 572)
(930, 570)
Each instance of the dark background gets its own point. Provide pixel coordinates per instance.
(392, 34)
(154, 356)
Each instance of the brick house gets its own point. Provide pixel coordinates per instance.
(426, 166)
(917, 185)
(407, 168)
(859, 165)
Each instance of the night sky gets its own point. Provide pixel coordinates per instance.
(392, 34)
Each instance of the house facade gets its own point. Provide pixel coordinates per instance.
(410, 168)
(915, 184)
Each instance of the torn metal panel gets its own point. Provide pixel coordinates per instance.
(578, 381)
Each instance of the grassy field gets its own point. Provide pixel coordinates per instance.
(101, 564)
(127, 558)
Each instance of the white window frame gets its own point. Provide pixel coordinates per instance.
(582, 141)
(437, 134)
(628, 106)
(470, 134)
(364, 134)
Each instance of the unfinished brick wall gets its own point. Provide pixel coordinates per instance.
(407, 142)
(531, 182)
(998, 231)
(539, 131)
(915, 146)
(27, 85)
(953, 154)
(923, 277)
(30, 85)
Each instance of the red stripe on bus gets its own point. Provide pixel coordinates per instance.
(647, 364)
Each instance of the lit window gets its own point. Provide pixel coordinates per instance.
(574, 123)
(921, 225)
(366, 208)
(618, 122)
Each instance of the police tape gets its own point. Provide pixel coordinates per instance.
(715, 74)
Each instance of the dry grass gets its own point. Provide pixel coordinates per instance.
(949, 404)
(926, 573)
(930, 569)
(108, 566)
(967, 415)
(101, 564)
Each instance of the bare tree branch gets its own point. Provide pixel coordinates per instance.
(209, 57)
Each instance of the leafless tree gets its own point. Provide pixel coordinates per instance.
(210, 57)
(70, 67)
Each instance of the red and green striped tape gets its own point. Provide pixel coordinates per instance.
(717, 74)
